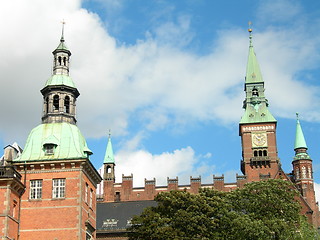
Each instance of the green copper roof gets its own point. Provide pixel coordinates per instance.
(62, 46)
(300, 142)
(253, 74)
(68, 141)
(258, 113)
(60, 80)
(109, 158)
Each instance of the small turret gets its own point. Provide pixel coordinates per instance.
(108, 162)
(302, 163)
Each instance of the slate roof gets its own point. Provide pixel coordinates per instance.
(117, 215)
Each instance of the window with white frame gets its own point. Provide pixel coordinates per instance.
(91, 198)
(86, 193)
(35, 189)
(58, 188)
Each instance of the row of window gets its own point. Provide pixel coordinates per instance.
(58, 188)
(62, 61)
(56, 104)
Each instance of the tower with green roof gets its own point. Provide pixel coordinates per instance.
(59, 201)
(257, 126)
(302, 169)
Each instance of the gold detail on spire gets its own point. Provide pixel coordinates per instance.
(250, 29)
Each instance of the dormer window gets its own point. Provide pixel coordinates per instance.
(49, 148)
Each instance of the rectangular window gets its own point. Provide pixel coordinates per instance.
(58, 188)
(91, 198)
(86, 193)
(35, 189)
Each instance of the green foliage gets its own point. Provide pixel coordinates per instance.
(261, 210)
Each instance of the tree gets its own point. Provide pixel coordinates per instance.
(260, 210)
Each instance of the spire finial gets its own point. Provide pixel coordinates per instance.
(62, 34)
(250, 32)
(297, 115)
(109, 133)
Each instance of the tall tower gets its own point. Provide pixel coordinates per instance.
(257, 126)
(60, 197)
(302, 171)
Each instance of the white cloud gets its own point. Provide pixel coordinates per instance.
(143, 164)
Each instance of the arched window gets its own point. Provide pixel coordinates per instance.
(55, 102)
(297, 173)
(65, 61)
(255, 153)
(108, 170)
(67, 104)
(59, 60)
(260, 153)
(265, 153)
(255, 92)
(303, 172)
(47, 104)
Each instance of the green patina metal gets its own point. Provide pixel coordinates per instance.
(255, 104)
(62, 46)
(300, 141)
(67, 138)
(57, 80)
(109, 158)
(253, 74)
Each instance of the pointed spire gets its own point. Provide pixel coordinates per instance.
(109, 158)
(255, 104)
(300, 141)
(253, 74)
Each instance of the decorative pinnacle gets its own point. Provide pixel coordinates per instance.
(297, 114)
(62, 34)
(109, 133)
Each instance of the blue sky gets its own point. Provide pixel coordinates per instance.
(166, 77)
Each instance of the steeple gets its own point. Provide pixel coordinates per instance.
(300, 141)
(109, 158)
(255, 104)
(60, 92)
(109, 163)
